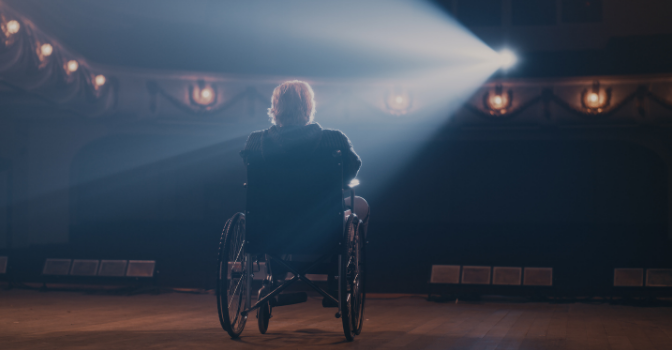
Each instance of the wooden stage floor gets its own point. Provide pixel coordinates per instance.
(56, 320)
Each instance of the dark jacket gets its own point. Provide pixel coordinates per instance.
(304, 140)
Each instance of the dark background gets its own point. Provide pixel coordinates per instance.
(547, 198)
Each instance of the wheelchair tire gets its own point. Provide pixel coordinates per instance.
(361, 281)
(263, 317)
(231, 290)
(351, 280)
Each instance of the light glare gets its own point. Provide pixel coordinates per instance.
(73, 66)
(46, 49)
(13, 27)
(99, 80)
(507, 59)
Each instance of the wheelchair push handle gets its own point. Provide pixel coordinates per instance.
(351, 187)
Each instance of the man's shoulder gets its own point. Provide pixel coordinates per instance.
(335, 138)
(254, 140)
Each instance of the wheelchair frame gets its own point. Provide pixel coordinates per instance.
(351, 294)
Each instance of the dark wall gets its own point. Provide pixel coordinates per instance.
(581, 207)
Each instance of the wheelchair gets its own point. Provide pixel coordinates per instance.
(294, 206)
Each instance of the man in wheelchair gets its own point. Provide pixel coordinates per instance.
(299, 218)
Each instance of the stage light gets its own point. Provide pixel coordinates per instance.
(56, 267)
(46, 49)
(506, 59)
(72, 66)
(538, 276)
(140, 268)
(84, 267)
(13, 27)
(99, 80)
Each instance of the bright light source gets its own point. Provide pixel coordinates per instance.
(99, 80)
(398, 102)
(13, 27)
(497, 100)
(46, 49)
(72, 66)
(353, 183)
(593, 97)
(203, 95)
(506, 59)
(206, 93)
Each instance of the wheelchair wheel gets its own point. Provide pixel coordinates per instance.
(359, 283)
(232, 281)
(352, 280)
(263, 317)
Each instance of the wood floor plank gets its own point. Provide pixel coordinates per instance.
(33, 320)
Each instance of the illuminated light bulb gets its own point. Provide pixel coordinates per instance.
(46, 49)
(13, 27)
(506, 59)
(593, 97)
(206, 93)
(398, 101)
(497, 100)
(72, 66)
(99, 80)
(203, 95)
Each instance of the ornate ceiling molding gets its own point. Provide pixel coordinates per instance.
(34, 64)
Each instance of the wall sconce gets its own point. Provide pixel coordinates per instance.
(498, 102)
(398, 101)
(202, 94)
(595, 100)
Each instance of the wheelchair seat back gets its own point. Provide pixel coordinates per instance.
(294, 206)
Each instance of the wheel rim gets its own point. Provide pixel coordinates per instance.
(233, 277)
(350, 308)
(357, 272)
